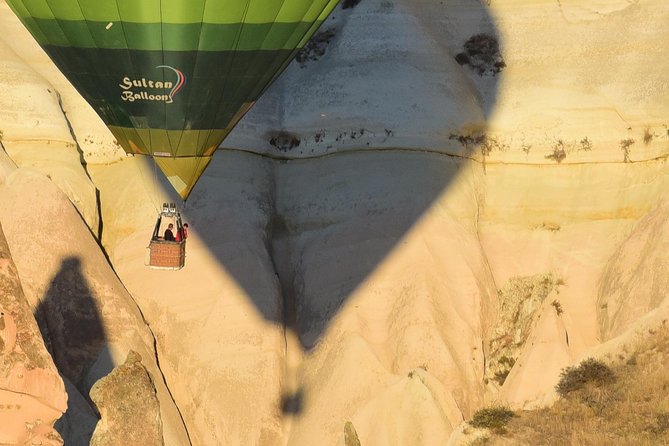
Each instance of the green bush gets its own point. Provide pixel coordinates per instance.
(589, 371)
(494, 418)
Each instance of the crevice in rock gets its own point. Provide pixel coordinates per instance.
(84, 164)
(488, 162)
(488, 308)
(167, 387)
(82, 160)
(280, 254)
(519, 303)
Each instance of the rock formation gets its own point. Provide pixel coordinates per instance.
(85, 314)
(32, 395)
(635, 281)
(128, 406)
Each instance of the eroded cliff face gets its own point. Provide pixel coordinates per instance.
(86, 316)
(387, 277)
(32, 395)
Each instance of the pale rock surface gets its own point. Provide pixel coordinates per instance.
(393, 317)
(568, 220)
(580, 70)
(432, 271)
(519, 303)
(636, 279)
(338, 103)
(409, 412)
(97, 144)
(32, 395)
(85, 312)
(35, 133)
(537, 370)
(217, 321)
(128, 406)
(625, 345)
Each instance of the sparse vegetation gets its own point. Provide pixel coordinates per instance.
(487, 143)
(493, 418)
(585, 145)
(550, 226)
(284, 141)
(558, 307)
(506, 363)
(467, 140)
(559, 152)
(490, 144)
(519, 302)
(501, 375)
(481, 53)
(633, 409)
(661, 424)
(590, 371)
(625, 145)
(350, 435)
(526, 148)
(648, 136)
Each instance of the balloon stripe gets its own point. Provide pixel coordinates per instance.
(91, 34)
(172, 76)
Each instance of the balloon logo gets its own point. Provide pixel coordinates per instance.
(181, 81)
(150, 88)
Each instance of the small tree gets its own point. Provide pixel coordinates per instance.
(482, 54)
(625, 145)
(647, 136)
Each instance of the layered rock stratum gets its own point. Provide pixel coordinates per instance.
(439, 241)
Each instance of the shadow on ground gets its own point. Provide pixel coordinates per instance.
(72, 329)
(324, 223)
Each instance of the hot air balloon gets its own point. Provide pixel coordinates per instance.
(171, 78)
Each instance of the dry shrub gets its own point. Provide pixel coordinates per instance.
(587, 372)
(494, 418)
(632, 410)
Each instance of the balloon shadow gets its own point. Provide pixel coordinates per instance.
(71, 326)
(342, 157)
(324, 212)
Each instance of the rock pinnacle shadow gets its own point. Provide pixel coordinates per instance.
(72, 329)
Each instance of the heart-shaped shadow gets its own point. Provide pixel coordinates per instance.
(354, 148)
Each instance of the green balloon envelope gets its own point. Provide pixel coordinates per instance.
(171, 78)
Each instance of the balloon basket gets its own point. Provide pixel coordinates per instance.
(167, 255)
